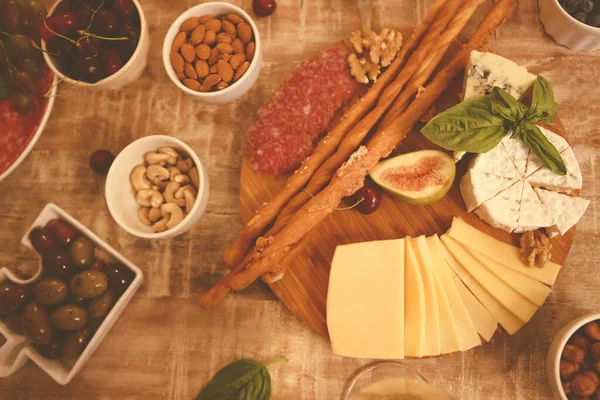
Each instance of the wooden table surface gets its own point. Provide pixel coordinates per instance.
(164, 346)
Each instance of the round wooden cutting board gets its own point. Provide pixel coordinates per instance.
(303, 288)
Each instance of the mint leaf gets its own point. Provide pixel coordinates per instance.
(541, 146)
(470, 126)
(5, 89)
(507, 106)
(543, 107)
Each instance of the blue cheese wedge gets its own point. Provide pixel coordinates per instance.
(478, 187)
(545, 178)
(533, 213)
(566, 210)
(533, 161)
(502, 211)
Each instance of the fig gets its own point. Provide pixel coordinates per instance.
(419, 178)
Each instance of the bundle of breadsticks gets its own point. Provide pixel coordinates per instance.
(341, 161)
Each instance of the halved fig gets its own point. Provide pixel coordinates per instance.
(422, 177)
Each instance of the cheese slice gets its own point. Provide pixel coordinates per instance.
(460, 319)
(414, 306)
(365, 300)
(547, 179)
(533, 161)
(478, 187)
(518, 305)
(432, 314)
(499, 251)
(518, 152)
(534, 290)
(496, 162)
(566, 210)
(502, 211)
(533, 214)
(509, 321)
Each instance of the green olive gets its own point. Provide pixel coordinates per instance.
(69, 317)
(101, 305)
(51, 291)
(82, 251)
(74, 342)
(88, 284)
(35, 323)
(51, 350)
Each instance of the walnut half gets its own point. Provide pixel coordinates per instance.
(371, 52)
(536, 248)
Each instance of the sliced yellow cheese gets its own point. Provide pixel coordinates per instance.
(432, 315)
(365, 300)
(509, 321)
(502, 252)
(530, 288)
(458, 328)
(414, 306)
(506, 295)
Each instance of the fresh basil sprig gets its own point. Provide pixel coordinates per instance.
(479, 124)
(240, 380)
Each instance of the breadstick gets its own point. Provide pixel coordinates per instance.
(266, 215)
(350, 176)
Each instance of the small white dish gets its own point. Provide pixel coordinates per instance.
(17, 350)
(129, 73)
(237, 89)
(120, 196)
(565, 29)
(555, 353)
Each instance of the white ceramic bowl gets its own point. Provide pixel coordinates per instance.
(17, 350)
(120, 196)
(556, 349)
(129, 73)
(565, 29)
(239, 88)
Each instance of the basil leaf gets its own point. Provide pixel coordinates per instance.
(469, 126)
(541, 146)
(240, 380)
(5, 89)
(504, 104)
(543, 107)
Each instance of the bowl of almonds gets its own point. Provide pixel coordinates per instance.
(573, 361)
(213, 52)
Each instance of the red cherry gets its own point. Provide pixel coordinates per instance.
(264, 8)
(65, 23)
(112, 62)
(46, 34)
(105, 23)
(101, 160)
(88, 46)
(125, 9)
(372, 199)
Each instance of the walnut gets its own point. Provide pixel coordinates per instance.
(372, 51)
(536, 248)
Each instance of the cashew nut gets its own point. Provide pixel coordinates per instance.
(149, 198)
(183, 166)
(160, 159)
(169, 194)
(183, 179)
(173, 172)
(172, 213)
(179, 192)
(143, 214)
(190, 199)
(171, 152)
(138, 178)
(156, 173)
(162, 185)
(154, 214)
(195, 177)
(160, 226)
(189, 162)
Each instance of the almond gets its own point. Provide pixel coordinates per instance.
(224, 56)
(225, 70)
(205, 89)
(225, 48)
(209, 38)
(250, 51)
(229, 28)
(191, 84)
(205, 18)
(241, 71)
(222, 85)
(181, 75)
(187, 51)
(224, 38)
(202, 69)
(203, 51)
(211, 80)
(238, 46)
(179, 41)
(213, 25)
(235, 19)
(236, 60)
(244, 32)
(214, 56)
(189, 24)
(197, 35)
(213, 69)
(177, 62)
(189, 71)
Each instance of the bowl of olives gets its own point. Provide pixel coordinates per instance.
(58, 317)
(101, 44)
(573, 23)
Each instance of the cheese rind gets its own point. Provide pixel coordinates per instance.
(414, 306)
(478, 187)
(502, 211)
(365, 313)
(566, 210)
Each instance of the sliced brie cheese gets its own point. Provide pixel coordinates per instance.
(533, 213)
(566, 210)
(547, 179)
(502, 211)
(496, 162)
(478, 187)
(533, 161)
(518, 151)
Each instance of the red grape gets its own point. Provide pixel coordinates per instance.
(264, 8)
(105, 23)
(372, 199)
(43, 241)
(125, 9)
(62, 230)
(101, 160)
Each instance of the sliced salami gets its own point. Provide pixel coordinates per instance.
(281, 155)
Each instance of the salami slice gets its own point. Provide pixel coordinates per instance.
(281, 155)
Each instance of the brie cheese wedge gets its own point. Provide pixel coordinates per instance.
(478, 187)
(566, 210)
(545, 178)
(496, 162)
(502, 211)
(533, 213)
(518, 151)
(533, 161)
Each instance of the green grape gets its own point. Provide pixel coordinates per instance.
(22, 103)
(25, 82)
(11, 17)
(22, 45)
(34, 12)
(31, 67)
